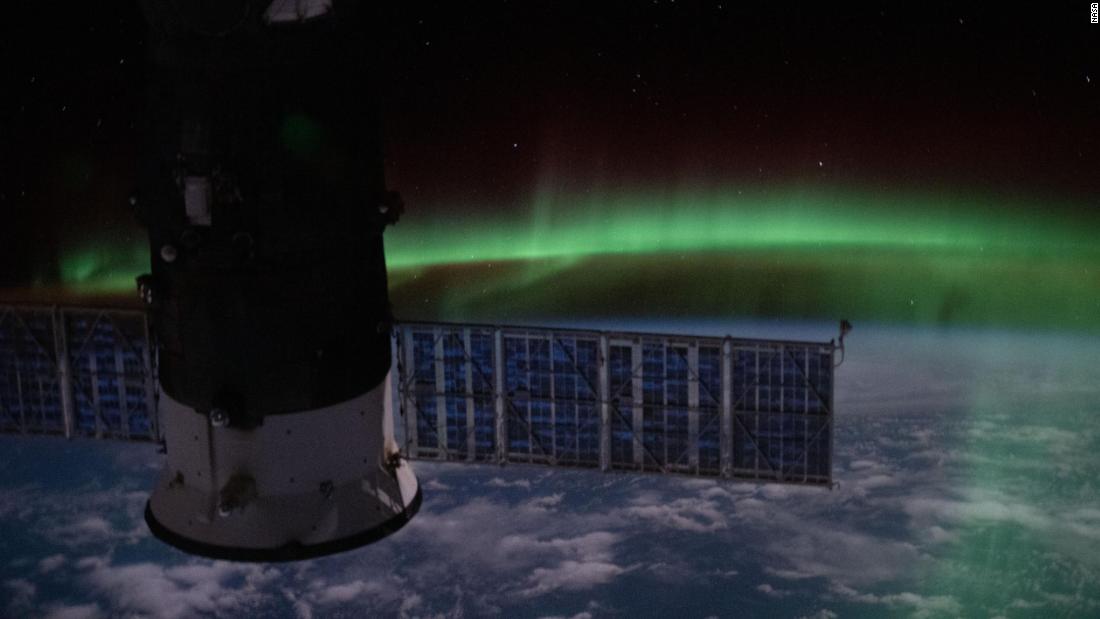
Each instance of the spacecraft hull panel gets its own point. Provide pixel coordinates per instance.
(297, 482)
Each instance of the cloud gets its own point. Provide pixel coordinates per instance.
(939, 535)
(876, 481)
(411, 602)
(728, 493)
(347, 592)
(566, 547)
(1076, 603)
(483, 555)
(678, 571)
(497, 482)
(789, 574)
(435, 484)
(88, 562)
(373, 593)
(547, 502)
(89, 529)
(89, 516)
(985, 506)
(80, 611)
(820, 550)
(686, 514)
(547, 548)
(302, 609)
(771, 591)
(922, 606)
(590, 546)
(177, 591)
(475, 551)
(498, 536)
(777, 492)
(571, 575)
(51, 563)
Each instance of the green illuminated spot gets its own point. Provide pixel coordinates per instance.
(103, 266)
(301, 134)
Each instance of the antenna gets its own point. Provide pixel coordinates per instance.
(845, 329)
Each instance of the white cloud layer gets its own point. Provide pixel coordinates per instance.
(927, 463)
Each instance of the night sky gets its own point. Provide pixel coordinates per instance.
(546, 130)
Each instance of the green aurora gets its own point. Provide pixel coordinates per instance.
(636, 223)
(926, 258)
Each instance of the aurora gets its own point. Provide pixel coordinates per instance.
(645, 222)
(932, 258)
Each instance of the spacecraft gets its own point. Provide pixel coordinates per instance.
(263, 194)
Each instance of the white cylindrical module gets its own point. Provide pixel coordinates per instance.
(299, 485)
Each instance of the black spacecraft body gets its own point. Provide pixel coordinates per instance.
(262, 189)
(261, 182)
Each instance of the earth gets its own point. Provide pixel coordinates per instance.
(965, 461)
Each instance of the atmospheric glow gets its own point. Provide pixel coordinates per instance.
(645, 223)
(103, 267)
(932, 259)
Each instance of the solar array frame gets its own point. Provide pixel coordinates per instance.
(696, 405)
(76, 372)
(660, 403)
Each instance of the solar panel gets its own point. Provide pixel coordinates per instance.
(694, 405)
(76, 372)
(739, 408)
